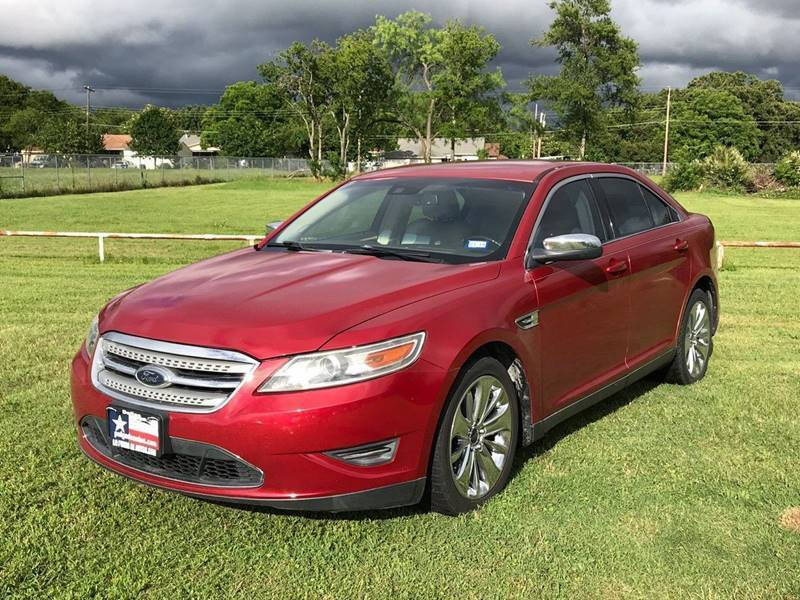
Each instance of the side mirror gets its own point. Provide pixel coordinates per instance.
(273, 226)
(571, 246)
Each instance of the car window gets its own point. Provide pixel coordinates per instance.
(629, 213)
(662, 213)
(571, 209)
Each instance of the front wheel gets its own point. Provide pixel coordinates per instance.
(476, 440)
(695, 343)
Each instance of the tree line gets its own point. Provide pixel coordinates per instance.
(408, 77)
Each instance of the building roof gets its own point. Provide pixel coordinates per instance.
(192, 142)
(116, 141)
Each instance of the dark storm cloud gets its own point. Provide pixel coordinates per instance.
(170, 53)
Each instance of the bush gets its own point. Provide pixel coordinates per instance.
(685, 176)
(764, 180)
(787, 171)
(726, 168)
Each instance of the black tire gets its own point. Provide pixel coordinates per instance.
(445, 496)
(679, 371)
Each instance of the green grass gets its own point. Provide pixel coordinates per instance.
(660, 492)
(747, 218)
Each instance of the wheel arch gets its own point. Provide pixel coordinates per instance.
(502, 349)
(707, 284)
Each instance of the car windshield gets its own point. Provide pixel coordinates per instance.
(451, 220)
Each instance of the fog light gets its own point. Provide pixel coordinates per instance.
(368, 455)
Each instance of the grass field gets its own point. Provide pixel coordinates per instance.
(660, 492)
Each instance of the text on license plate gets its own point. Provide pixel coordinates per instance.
(134, 431)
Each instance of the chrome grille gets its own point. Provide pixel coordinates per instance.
(200, 379)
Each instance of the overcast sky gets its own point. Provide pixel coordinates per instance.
(175, 51)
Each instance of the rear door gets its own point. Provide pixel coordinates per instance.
(650, 232)
(583, 306)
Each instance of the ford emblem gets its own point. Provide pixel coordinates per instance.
(154, 377)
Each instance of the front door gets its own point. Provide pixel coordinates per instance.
(583, 305)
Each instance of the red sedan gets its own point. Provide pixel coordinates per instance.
(399, 337)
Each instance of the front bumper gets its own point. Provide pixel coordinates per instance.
(285, 437)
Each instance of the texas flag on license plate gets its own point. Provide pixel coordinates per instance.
(134, 431)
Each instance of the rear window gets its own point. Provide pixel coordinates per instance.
(662, 213)
(629, 213)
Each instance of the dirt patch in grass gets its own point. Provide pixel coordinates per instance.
(790, 519)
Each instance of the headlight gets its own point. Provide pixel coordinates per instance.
(339, 367)
(91, 336)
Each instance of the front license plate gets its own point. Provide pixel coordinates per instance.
(136, 431)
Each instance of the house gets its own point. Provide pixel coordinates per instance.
(409, 151)
(191, 146)
(31, 155)
(117, 143)
(492, 151)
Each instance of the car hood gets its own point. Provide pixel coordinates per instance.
(272, 303)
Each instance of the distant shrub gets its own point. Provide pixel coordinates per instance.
(763, 179)
(726, 168)
(787, 171)
(685, 176)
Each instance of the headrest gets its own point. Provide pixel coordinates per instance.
(441, 206)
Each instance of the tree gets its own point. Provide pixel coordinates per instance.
(23, 113)
(763, 100)
(189, 117)
(153, 133)
(361, 82)
(65, 133)
(252, 119)
(598, 67)
(524, 120)
(440, 74)
(300, 73)
(705, 118)
(469, 90)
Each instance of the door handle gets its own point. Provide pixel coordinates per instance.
(615, 267)
(681, 245)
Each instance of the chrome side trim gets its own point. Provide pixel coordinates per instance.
(528, 321)
(542, 427)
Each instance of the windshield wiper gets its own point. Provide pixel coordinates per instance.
(411, 255)
(292, 245)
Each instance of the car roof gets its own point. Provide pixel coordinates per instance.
(514, 170)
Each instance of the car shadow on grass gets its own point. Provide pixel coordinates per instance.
(586, 417)
(545, 444)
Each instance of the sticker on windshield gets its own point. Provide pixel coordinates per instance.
(476, 244)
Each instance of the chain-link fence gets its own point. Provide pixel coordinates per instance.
(43, 174)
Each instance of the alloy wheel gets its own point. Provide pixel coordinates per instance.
(697, 339)
(480, 437)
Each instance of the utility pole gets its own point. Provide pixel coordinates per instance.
(666, 133)
(534, 132)
(89, 90)
(543, 121)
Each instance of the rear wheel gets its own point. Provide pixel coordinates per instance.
(695, 342)
(477, 439)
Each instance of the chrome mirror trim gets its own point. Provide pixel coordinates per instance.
(572, 241)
